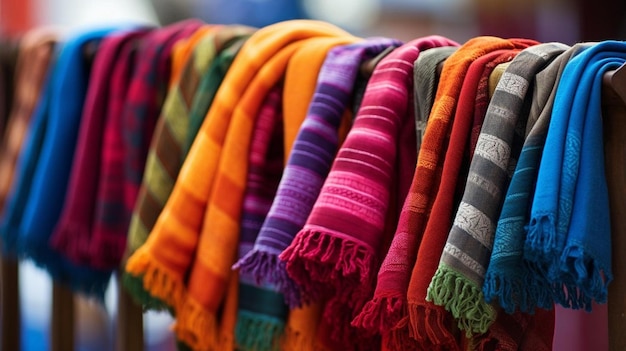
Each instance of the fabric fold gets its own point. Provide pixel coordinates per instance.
(430, 325)
(309, 162)
(569, 231)
(192, 202)
(336, 253)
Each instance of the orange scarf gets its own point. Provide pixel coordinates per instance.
(202, 214)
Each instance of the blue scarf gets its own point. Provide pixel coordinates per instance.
(56, 136)
(570, 233)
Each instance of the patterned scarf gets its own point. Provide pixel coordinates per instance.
(187, 102)
(388, 305)
(522, 285)
(427, 321)
(48, 167)
(35, 54)
(260, 63)
(262, 312)
(307, 167)
(329, 256)
(72, 234)
(458, 283)
(126, 141)
(569, 232)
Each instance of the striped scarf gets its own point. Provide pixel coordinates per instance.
(72, 234)
(336, 252)
(507, 266)
(308, 165)
(429, 324)
(187, 103)
(257, 67)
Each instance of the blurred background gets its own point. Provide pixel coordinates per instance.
(544, 20)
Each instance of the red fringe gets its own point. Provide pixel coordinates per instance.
(381, 314)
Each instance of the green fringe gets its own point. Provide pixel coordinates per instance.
(134, 286)
(464, 299)
(258, 332)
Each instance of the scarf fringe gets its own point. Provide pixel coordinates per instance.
(158, 281)
(592, 279)
(264, 266)
(93, 285)
(258, 332)
(527, 291)
(381, 314)
(463, 299)
(427, 326)
(316, 258)
(134, 286)
(541, 239)
(73, 242)
(199, 328)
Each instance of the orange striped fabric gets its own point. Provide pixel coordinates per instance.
(201, 218)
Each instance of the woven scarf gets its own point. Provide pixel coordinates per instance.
(44, 203)
(126, 141)
(425, 82)
(35, 54)
(458, 282)
(262, 312)
(307, 167)
(388, 304)
(337, 250)
(516, 282)
(569, 230)
(72, 234)
(258, 66)
(426, 319)
(188, 99)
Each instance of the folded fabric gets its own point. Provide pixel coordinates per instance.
(507, 266)
(68, 87)
(337, 251)
(569, 231)
(187, 103)
(260, 63)
(126, 140)
(308, 165)
(388, 304)
(458, 282)
(34, 57)
(428, 324)
(72, 234)
(262, 312)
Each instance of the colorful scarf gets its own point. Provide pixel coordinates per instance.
(264, 55)
(262, 312)
(337, 250)
(520, 281)
(307, 167)
(427, 320)
(388, 305)
(187, 100)
(53, 145)
(35, 54)
(126, 141)
(569, 232)
(458, 282)
(72, 234)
